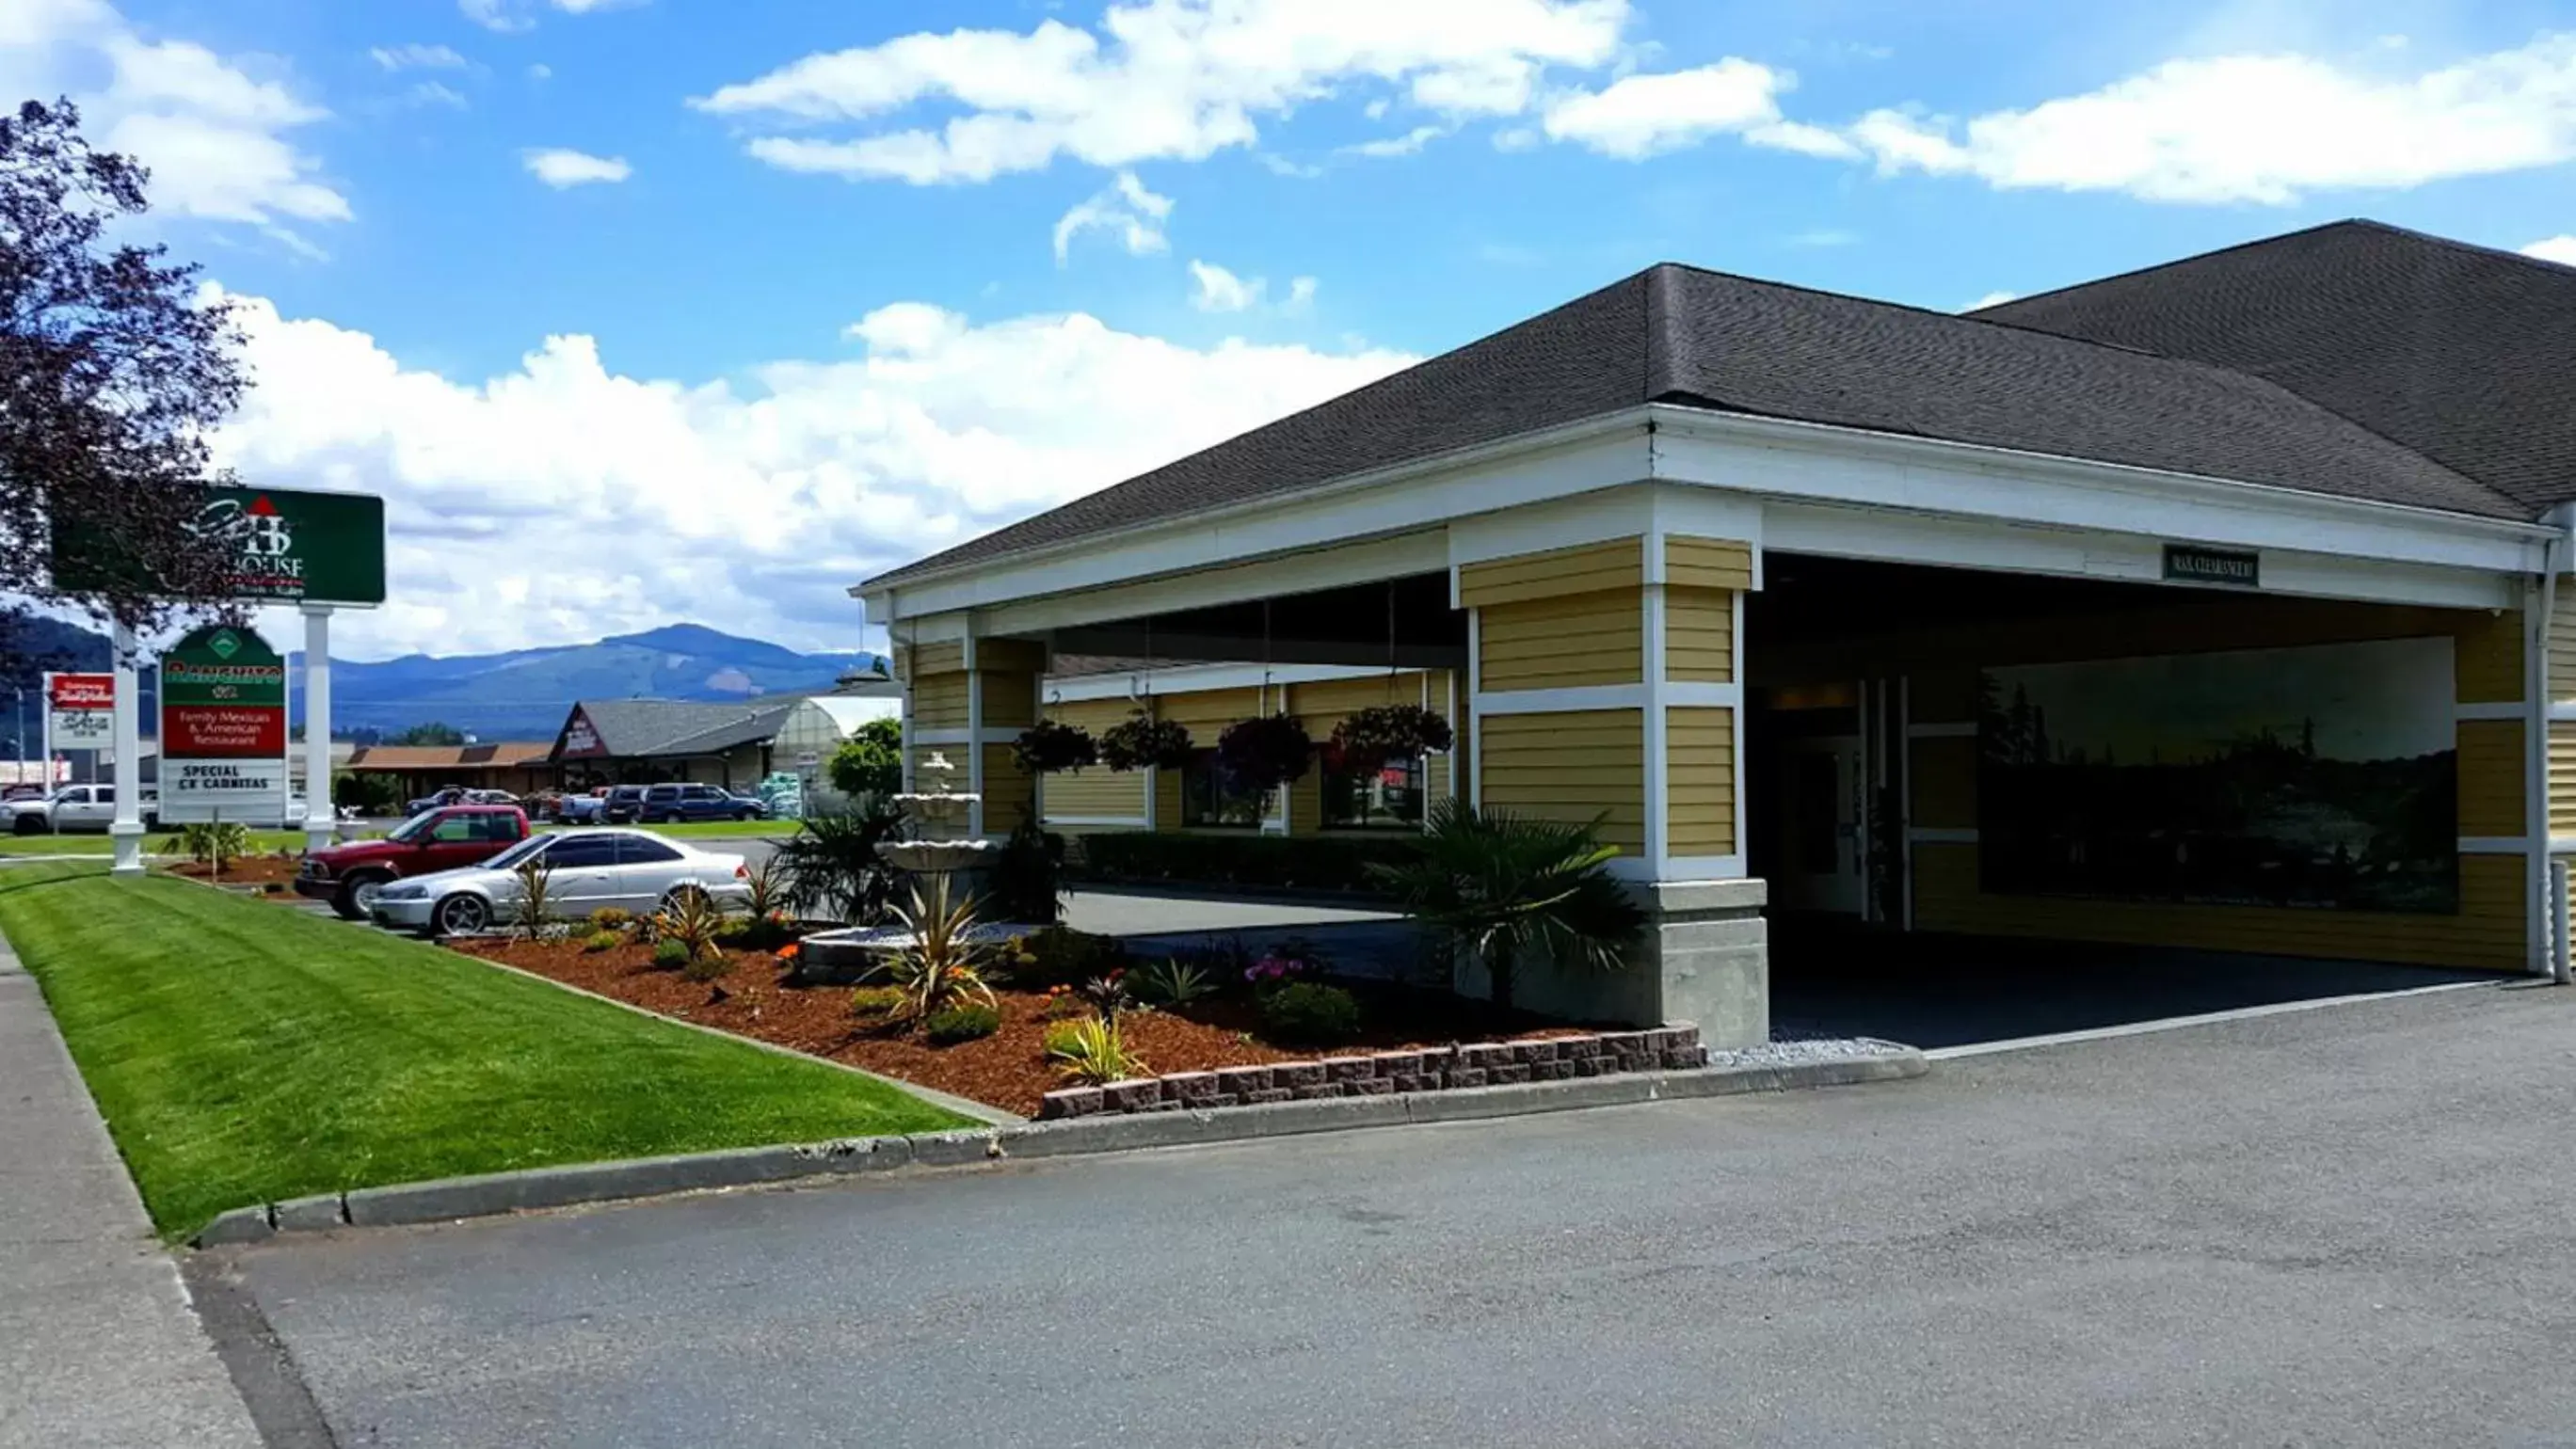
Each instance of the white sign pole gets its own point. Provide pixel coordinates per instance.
(48, 730)
(318, 814)
(127, 829)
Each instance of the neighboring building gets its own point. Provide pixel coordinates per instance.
(518, 766)
(815, 728)
(2213, 605)
(633, 741)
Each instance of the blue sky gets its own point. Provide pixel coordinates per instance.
(670, 309)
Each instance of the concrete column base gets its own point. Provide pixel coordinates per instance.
(128, 842)
(1704, 958)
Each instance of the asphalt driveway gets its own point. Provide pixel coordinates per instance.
(2338, 1226)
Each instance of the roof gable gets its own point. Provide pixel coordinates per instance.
(2461, 353)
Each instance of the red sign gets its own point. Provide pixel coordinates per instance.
(222, 732)
(83, 691)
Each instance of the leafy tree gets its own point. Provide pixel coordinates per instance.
(436, 732)
(112, 372)
(871, 761)
(1506, 886)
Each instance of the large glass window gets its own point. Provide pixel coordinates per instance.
(1388, 797)
(1208, 798)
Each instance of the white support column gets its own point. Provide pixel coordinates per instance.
(319, 818)
(126, 830)
(974, 742)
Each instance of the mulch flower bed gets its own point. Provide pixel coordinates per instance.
(1008, 1069)
(258, 870)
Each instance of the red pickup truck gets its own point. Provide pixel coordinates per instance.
(348, 876)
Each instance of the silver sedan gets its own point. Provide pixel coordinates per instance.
(589, 870)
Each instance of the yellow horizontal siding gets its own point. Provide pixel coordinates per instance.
(1561, 643)
(1097, 790)
(939, 701)
(1699, 635)
(1008, 794)
(2488, 657)
(1699, 781)
(2488, 931)
(922, 660)
(1617, 564)
(1306, 804)
(1945, 782)
(2562, 642)
(1011, 656)
(1571, 766)
(2562, 779)
(1325, 703)
(2491, 768)
(1010, 699)
(1708, 563)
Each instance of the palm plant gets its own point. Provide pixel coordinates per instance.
(536, 895)
(831, 863)
(1507, 887)
(944, 965)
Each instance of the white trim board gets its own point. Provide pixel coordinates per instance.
(2497, 709)
(2494, 845)
(1941, 835)
(1942, 730)
(955, 736)
(1136, 822)
(1199, 678)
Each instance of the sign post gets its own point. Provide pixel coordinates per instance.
(223, 725)
(125, 828)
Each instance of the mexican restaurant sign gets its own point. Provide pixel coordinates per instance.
(287, 547)
(223, 724)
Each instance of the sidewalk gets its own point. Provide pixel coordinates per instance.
(98, 1344)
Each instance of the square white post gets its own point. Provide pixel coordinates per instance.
(319, 818)
(126, 830)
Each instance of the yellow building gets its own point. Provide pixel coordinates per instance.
(2093, 617)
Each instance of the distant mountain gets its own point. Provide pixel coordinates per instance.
(525, 693)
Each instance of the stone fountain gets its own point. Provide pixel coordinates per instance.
(947, 869)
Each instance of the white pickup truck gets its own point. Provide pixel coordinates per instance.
(75, 808)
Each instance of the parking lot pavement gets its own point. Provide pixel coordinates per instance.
(2329, 1227)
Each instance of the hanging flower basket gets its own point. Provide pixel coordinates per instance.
(1266, 753)
(1139, 741)
(1368, 739)
(1051, 747)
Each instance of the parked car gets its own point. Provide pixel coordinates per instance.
(632, 870)
(77, 808)
(583, 808)
(624, 805)
(25, 790)
(459, 795)
(349, 876)
(670, 804)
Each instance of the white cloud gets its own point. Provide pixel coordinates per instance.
(431, 93)
(750, 505)
(1125, 207)
(1991, 299)
(417, 57)
(1177, 79)
(561, 166)
(511, 17)
(212, 131)
(2259, 128)
(1215, 289)
(541, 71)
(1404, 145)
(2559, 249)
(1825, 236)
(1641, 115)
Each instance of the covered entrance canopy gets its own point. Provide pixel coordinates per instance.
(1739, 569)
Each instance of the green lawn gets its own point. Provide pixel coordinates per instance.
(243, 1053)
(261, 841)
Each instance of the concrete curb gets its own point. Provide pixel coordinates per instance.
(494, 1194)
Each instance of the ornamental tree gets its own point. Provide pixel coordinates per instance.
(112, 370)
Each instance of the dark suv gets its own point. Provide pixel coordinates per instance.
(671, 804)
(624, 805)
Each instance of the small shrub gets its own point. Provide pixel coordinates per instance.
(670, 955)
(1171, 982)
(1108, 995)
(961, 1023)
(709, 965)
(610, 918)
(1061, 1004)
(1026, 884)
(602, 941)
(1062, 956)
(875, 1000)
(536, 876)
(694, 920)
(1309, 1013)
(1092, 1051)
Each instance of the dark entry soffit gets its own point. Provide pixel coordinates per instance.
(2263, 410)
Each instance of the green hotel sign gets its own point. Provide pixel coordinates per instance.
(288, 546)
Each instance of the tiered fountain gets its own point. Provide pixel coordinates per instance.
(850, 953)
